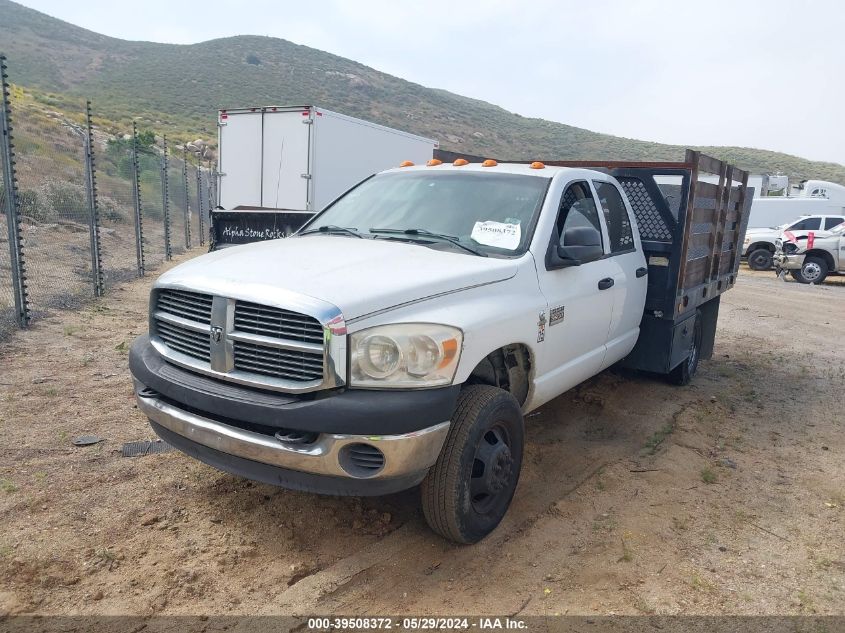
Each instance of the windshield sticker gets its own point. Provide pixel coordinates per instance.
(497, 234)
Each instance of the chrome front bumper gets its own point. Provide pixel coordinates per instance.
(404, 455)
(783, 261)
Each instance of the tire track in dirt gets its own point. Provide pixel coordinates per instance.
(412, 561)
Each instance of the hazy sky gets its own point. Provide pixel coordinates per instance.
(768, 74)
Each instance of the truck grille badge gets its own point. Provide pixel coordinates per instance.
(216, 334)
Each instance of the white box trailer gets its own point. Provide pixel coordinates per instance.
(776, 210)
(296, 160)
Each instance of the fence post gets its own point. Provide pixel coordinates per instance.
(199, 203)
(94, 221)
(10, 186)
(165, 202)
(136, 201)
(187, 198)
(208, 177)
(214, 176)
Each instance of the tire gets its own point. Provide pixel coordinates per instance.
(814, 270)
(760, 259)
(684, 373)
(469, 489)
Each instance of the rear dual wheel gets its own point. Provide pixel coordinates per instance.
(469, 489)
(683, 373)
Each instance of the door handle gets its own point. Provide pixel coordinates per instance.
(642, 272)
(605, 283)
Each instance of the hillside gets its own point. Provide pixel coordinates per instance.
(176, 88)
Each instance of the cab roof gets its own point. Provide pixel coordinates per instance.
(508, 168)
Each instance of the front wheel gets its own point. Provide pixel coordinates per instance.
(813, 271)
(468, 490)
(683, 373)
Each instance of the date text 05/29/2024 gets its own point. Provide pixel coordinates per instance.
(416, 624)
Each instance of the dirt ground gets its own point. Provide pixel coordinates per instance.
(724, 497)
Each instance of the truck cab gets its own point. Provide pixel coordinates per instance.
(400, 337)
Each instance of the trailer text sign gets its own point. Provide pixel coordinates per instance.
(243, 227)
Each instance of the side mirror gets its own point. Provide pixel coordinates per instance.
(582, 245)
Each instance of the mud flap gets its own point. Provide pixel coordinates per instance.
(664, 344)
(709, 317)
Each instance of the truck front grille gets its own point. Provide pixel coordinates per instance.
(263, 345)
(184, 340)
(187, 305)
(277, 323)
(279, 363)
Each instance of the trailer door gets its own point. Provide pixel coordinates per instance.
(240, 159)
(286, 155)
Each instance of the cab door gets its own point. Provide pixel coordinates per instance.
(629, 271)
(579, 298)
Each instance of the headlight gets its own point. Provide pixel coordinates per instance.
(404, 355)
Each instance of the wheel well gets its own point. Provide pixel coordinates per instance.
(827, 257)
(757, 245)
(508, 368)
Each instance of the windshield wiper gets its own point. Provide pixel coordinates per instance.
(333, 228)
(438, 236)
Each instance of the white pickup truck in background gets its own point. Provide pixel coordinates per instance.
(810, 261)
(759, 244)
(402, 335)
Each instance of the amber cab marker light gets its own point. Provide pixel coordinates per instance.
(537, 165)
(434, 162)
(461, 162)
(406, 163)
(489, 163)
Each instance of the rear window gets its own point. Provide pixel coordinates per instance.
(807, 224)
(616, 217)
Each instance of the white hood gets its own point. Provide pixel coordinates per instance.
(359, 276)
(762, 231)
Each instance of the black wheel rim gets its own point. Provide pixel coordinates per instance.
(760, 260)
(492, 469)
(692, 359)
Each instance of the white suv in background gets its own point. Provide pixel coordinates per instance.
(759, 245)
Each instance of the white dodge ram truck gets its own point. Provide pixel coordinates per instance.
(402, 335)
(811, 261)
(759, 244)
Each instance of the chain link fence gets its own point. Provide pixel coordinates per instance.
(152, 207)
(94, 208)
(116, 201)
(179, 238)
(55, 210)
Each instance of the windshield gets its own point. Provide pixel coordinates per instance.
(491, 213)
